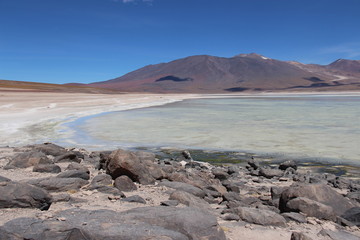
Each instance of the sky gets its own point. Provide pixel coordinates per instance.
(63, 41)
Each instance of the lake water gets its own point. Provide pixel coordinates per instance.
(319, 126)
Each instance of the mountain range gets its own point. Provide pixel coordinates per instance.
(243, 72)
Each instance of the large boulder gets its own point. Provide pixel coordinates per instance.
(161, 223)
(260, 216)
(49, 149)
(127, 163)
(184, 187)
(28, 159)
(311, 208)
(317, 192)
(23, 195)
(59, 184)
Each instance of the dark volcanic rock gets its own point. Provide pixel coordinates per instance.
(77, 166)
(220, 174)
(353, 215)
(74, 174)
(5, 235)
(316, 192)
(288, 164)
(260, 216)
(28, 159)
(67, 157)
(299, 236)
(135, 198)
(184, 187)
(123, 162)
(59, 184)
(100, 181)
(170, 203)
(270, 173)
(311, 208)
(189, 200)
(4, 179)
(48, 168)
(22, 195)
(293, 216)
(338, 235)
(161, 223)
(254, 164)
(49, 149)
(124, 183)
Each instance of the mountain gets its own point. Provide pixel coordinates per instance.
(243, 72)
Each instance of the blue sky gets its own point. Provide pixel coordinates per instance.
(60, 41)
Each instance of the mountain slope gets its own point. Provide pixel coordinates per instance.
(244, 72)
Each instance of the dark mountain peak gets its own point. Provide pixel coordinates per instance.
(345, 65)
(252, 55)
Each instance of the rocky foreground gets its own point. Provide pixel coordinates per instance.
(49, 192)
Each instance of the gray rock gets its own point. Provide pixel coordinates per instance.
(4, 179)
(354, 196)
(161, 223)
(49, 149)
(100, 181)
(27, 159)
(230, 217)
(110, 190)
(59, 184)
(270, 173)
(61, 197)
(260, 216)
(341, 182)
(184, 187)
(170, 203)
(5, 235)
(77, 166)
(299, 236)
(232, 196)
(311, 208)
(124, 183)
(220, 174)
(22, 195)
(352, 215)
(48, 168)
(293, 216)
(74, 174)
(135, 198)
(67, 157)
(288, 164)
(338, 235)
(254, 164)
(123, 162)
(189, 200)
(316, 192)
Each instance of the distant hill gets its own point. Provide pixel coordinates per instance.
(243, 72)
(21, 86)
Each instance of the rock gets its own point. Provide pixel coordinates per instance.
(74, 174)
(4, 179)
(232, 196)
(48, 168)
(67, 157)
(77, 166)
(220, 174)
(270, 173)
(288, 164)
(49, 149)
(135, 198)
(232, 187)
(293, 216)
(316, 192)
(100, 181)
(104, 159)
(354, 196)
(161, 223)
(189, 200)
(341, 182)
(27, 159)
(230, 217)
(253, 163)
(260, 216)
(352, 215)
(184, 187)
(5, 235)
(124, 183)
(123, 162)
(276, 194)
(187, 155)
(338, 235)
(311, 208)
(22, 195)
(110, 190)
(61, 197)
(59, 184)
(170, 203)
(299, 236)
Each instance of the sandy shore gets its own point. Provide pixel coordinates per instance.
(21, 110)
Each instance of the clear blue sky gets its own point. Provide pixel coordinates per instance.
(60, 41)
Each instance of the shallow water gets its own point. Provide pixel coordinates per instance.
(323, 127)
